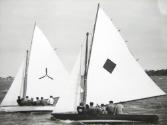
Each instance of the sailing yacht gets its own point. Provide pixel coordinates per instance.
(41, 74)
(112, 73)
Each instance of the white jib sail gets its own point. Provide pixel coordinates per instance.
(15, 90)
(71, 98)
(113, 73)
(46, 74)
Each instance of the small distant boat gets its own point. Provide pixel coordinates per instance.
(4, 91)
(41, 75)
(110, 73)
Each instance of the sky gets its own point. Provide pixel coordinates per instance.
(143, 23)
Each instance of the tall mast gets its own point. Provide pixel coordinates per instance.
(27, 64)
(32, 38)
(25, 75)
(87, 58)
(85, 71)
(93, 35)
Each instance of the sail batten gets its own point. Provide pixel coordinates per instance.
(113, 72)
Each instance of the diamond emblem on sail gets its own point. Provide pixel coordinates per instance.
(109, 65)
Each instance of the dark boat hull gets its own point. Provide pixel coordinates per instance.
(107, 118)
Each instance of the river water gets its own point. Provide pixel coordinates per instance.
(157, 105)
(32, 119)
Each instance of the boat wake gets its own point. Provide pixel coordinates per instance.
(71, 122)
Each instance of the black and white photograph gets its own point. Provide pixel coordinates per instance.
(83, 62)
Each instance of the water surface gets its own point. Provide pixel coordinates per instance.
(156, 105)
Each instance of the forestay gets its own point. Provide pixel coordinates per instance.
(113, 73)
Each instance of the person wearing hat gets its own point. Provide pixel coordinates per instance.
(110, 108)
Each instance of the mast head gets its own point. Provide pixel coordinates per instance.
(98, 5)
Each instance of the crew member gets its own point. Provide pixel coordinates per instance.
(37, 102)
(50, 100)
(98, 109)
(42, 101)
(92, 109)
(119, 109)
(103, 109)
(110, 108)
(32, 101)
(19, 100)
(26, 100)
(86, 108)
(81, 108)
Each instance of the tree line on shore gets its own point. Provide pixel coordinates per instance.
(161, 72)
(8, 78)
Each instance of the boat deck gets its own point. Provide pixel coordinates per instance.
(26, 109)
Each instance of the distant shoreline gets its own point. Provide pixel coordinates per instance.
(160, 72)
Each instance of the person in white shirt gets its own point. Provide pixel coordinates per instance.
(50, 100)
(119, 109)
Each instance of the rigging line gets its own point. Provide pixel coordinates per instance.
(27, 64)
(90, 51)
(85, 70)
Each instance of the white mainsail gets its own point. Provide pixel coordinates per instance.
(113, 73)
(72, 97)
(15, 90)
(46, 74)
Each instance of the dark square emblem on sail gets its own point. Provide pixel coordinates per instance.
(109, 65)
